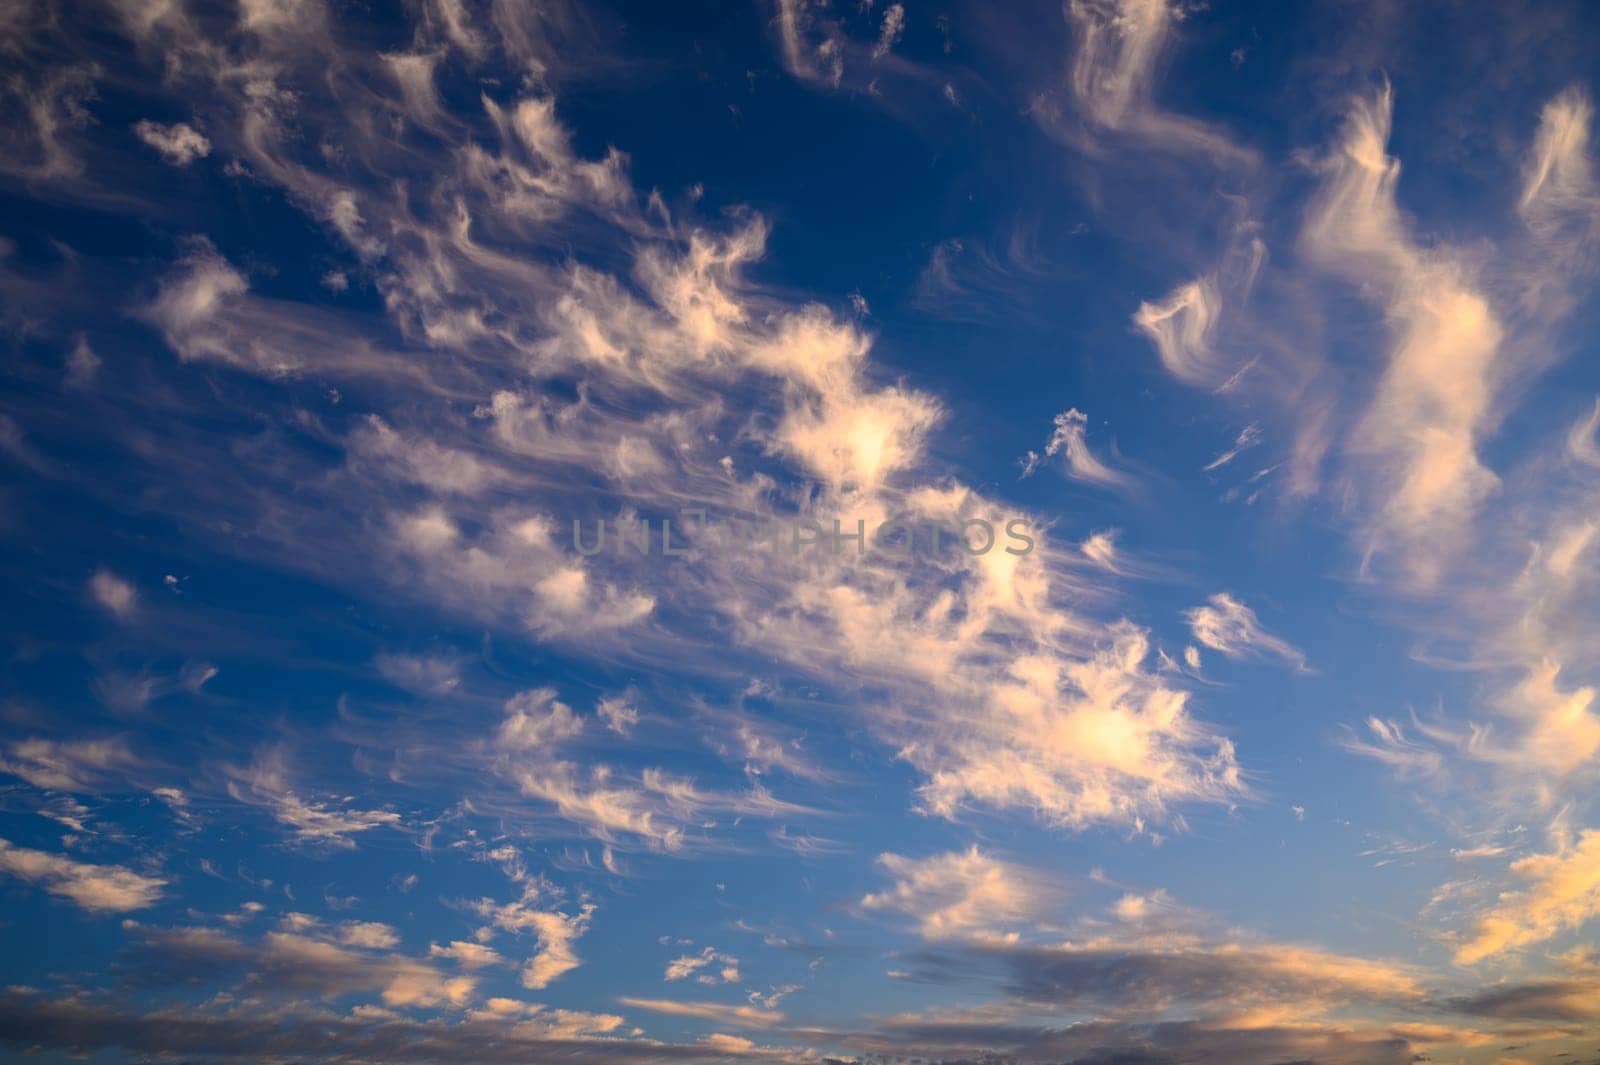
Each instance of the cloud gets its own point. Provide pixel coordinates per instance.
(1581, 438)
(1563, 892)
(707, 967)
(644, 359)
(96, 888)
(114, 595)
(1119, 47)
(266, 783)
(306, 957)
(1229, 627)
(1070, 441)
(1248, 437)
(1435, 400)
(424, 674)
(467, 955)
(79, 766)
(503, 1037)
(83, 365)
(179, 144)
(810, 43)
(555, 932)
(894, 24)
(1390, 744)
(960, 893)
(372, 935)
(534, 748)
(1560, 199)
(618, 714)
(46, 111)
(730, 1016)
(1235, 976)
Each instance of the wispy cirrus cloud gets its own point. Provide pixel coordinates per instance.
(1232, 629)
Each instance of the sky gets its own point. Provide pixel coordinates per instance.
(799, 532)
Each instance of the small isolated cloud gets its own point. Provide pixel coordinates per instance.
(114, 595)
(467, 954)
(1248, 438)
(1070, 441)
(894, 24)
(83, 365)
(179, 144)
(97, 888)
(710, 966)
(1230, 628)
(618, 713)
(423, 674)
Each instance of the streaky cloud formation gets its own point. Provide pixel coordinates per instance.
(515, 549)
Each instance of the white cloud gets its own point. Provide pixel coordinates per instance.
(115, 595)
(555, 932)
(1559, 190)
(708, 967)
(1113, 73)
(266, 783)
(1230, 628)
(894, 24)
(467, 954)
(810, 43)
(1563, 892)
(179, 144)
(371, 935)
(960, 893)
(717, 1012)
(97, 888)
(1070, 441)
(1248, 437)
(1435, 399)
(83, 365)
(80, 766)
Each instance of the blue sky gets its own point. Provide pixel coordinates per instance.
(1269, 735)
